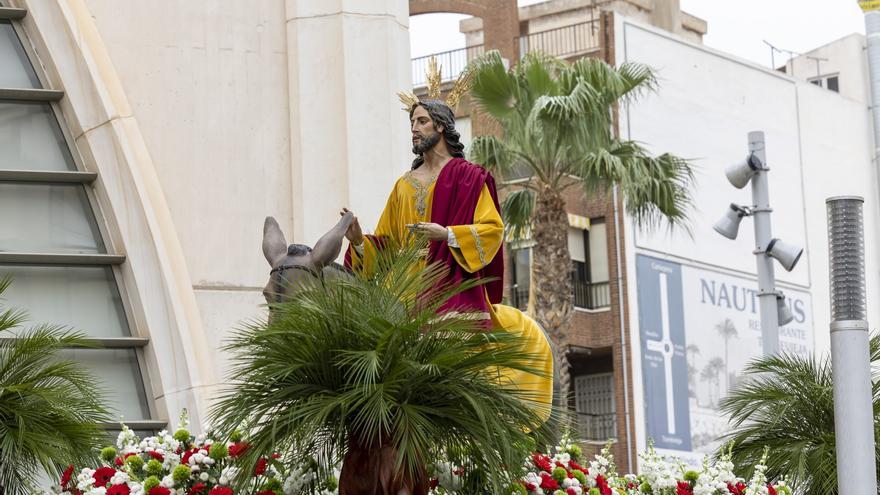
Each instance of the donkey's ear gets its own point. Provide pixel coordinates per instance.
(274, 245)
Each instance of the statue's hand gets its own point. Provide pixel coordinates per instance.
(354, 234)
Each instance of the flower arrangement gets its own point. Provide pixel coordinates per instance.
(183, 464)
(561, 474)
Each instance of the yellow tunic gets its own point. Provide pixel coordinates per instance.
(410, 202)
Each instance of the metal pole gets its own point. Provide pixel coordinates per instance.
(763, 234)
(850, 361)
(872, 33)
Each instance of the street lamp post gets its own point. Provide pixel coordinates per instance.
(850, 356)
(754, 169)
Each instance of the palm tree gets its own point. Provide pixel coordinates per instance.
(693, 351)
(727, 330)
(557, 121)
(50, 408)
(786, 403)
(364, 370)
(710, 373)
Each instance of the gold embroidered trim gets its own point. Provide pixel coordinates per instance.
(421, 198)
(479, 244)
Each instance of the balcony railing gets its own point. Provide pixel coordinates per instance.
(597, 427)
(586, 295)
(563, 42)
(594, 295)
(451, 64)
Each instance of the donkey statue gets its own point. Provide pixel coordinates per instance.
(365, 470)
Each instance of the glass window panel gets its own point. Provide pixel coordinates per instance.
(83, 297)
(15, 69)
(47, 218)
(120, 379)
(598, 252)
(30, 138)
(576, 244)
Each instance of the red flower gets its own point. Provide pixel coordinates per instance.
(738, 489)
(187, 455)
(122, 489)
(433, 483)
(219, 490)
(267, 492)
(155, 455)
(102, 476)
(683, 488)
(542, 462)
(237, 449)
(196, 489)
(119, 462)
(65, 476)
(159, 490)
(128, 455)
(771, 490)
(602, 484)
(276, 455)
(531, 487)
(547, 482)
(571, 491)
(261, 466)
(574, 465)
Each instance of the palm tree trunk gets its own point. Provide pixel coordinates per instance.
(551, 279)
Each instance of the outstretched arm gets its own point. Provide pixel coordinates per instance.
(330, 244)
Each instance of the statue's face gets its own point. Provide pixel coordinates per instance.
(424, 134)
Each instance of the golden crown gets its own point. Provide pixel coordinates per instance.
(433, 78)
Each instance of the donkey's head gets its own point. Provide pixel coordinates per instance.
(297, 266)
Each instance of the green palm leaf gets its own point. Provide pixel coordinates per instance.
(787, 404)
(50, 408)
(367, 359)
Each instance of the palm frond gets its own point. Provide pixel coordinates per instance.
(368, 360)
(493, 89)
(654, 188)
(517, 208)
(50, 407)
(787, 404)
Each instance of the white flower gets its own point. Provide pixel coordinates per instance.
(203, 476)
(167, 481)
(119, 478)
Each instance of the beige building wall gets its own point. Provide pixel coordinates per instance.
(845, 58)
(203, 118)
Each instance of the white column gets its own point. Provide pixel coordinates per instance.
(349, 139)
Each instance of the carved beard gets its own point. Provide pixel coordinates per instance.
(426, 143)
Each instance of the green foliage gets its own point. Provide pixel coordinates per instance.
(218, 451)
(181, 473)
(595, 491)
(517, 489)
(235, 437)
(135, 463)
(691, 476)
(580, 476)
(558, 121)
(366, 359)
(786, 404)
(150, 483)
(153, 468)
(50, 407)
(575, 452)
(182, 435)
(108, 454)
(645, 487)
(559, 474)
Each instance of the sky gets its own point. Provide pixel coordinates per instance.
(738, 27)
